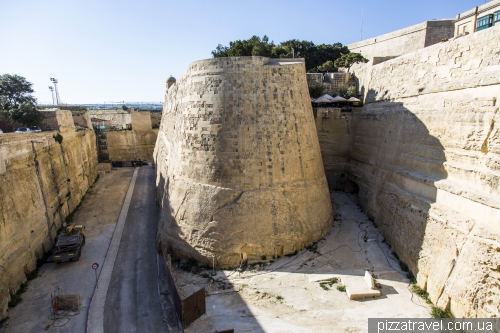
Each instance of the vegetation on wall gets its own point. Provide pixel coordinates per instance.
(318, 58)
(347, 60)
(17, 103)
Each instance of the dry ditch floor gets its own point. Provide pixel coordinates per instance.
(286, 295)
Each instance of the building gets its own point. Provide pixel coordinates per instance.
(478, 18)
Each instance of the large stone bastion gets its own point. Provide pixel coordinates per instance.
(239, 169)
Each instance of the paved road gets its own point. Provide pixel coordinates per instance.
(132, 303)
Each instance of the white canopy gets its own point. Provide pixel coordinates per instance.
(339, 99)
(354, 99)
(324, 99)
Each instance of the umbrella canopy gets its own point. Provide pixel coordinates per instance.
(339, 99)
(354, 99)
(324, 99)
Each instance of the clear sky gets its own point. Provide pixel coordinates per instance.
(111, 51)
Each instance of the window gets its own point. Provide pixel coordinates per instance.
(496, 17)
(484, 22)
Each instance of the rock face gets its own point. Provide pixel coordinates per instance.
(41, 182)
(240, 174)
(424, 154)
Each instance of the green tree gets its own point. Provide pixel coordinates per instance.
(315, 55)
(17, 103)
(328, 66)
(351, 92)
(316, 91)
(249, 47)
(347, 60)
(28, 115)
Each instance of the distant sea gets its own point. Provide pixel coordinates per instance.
(114, 106)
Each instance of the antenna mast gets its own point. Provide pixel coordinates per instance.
(361, 23)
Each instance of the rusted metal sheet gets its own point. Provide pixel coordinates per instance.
(193, 307)
(172, 290)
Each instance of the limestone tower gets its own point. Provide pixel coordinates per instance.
(239, 169)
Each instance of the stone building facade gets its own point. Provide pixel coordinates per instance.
(239, 170)
(478, 18)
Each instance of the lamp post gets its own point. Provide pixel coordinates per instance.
(52, 91)
(58, 99)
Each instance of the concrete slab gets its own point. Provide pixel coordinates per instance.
(356, 288)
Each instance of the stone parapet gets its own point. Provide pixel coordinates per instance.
(405, 40)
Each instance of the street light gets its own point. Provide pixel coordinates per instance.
(58, 99)
(52, 91)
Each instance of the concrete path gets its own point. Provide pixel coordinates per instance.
(96, 312)
(132, 301)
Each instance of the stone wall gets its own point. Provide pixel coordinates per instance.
(41, 182)
(82, 119)
(118, 118)
(335, 135)
(132, 145)
(424, 153)
(155, 119)
(135, 144)
(405, 40)
(239, 170)
(331, 82)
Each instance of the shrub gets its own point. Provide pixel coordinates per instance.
(316, 91)
(58, 137)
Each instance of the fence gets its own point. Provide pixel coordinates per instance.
(190, 308)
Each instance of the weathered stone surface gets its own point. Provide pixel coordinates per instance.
(406, 40)
(425, 154)
(131, 145)
(240, 174)
(41, 182)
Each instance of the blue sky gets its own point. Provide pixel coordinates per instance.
(110, 50)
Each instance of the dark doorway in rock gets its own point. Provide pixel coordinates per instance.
(351, 187)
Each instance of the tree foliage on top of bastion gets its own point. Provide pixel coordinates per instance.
(318, 58)
(17, 104)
